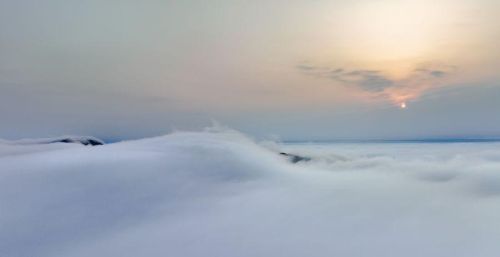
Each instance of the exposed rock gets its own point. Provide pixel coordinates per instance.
(296, 158)
(81, 140)
(84, 140)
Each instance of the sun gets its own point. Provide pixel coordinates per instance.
(403, 105)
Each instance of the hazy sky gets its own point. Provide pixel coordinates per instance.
(293, 69)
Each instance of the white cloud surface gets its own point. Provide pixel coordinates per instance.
(221, 194)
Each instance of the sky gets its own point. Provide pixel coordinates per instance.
(293, 70)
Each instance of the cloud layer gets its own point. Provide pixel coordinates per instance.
(221, 194)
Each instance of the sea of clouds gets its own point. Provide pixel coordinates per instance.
(219, 193)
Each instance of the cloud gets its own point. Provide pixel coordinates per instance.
(306, 67)
(435, 72)
(218, 193)
(424, 77)
(369, 80)
(372, 81)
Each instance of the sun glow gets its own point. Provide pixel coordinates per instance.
(393, 36)
(403, 105)
(398, 30)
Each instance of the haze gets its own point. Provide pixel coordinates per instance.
(299, 70)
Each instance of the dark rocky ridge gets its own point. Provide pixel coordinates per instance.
(296, 158)
(81, 140)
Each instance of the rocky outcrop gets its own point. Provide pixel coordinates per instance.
(296, 158)
(79, 140)
(84, 140)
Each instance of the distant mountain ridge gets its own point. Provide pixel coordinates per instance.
(84, 140)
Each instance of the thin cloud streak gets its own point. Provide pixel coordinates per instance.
(378, 84)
